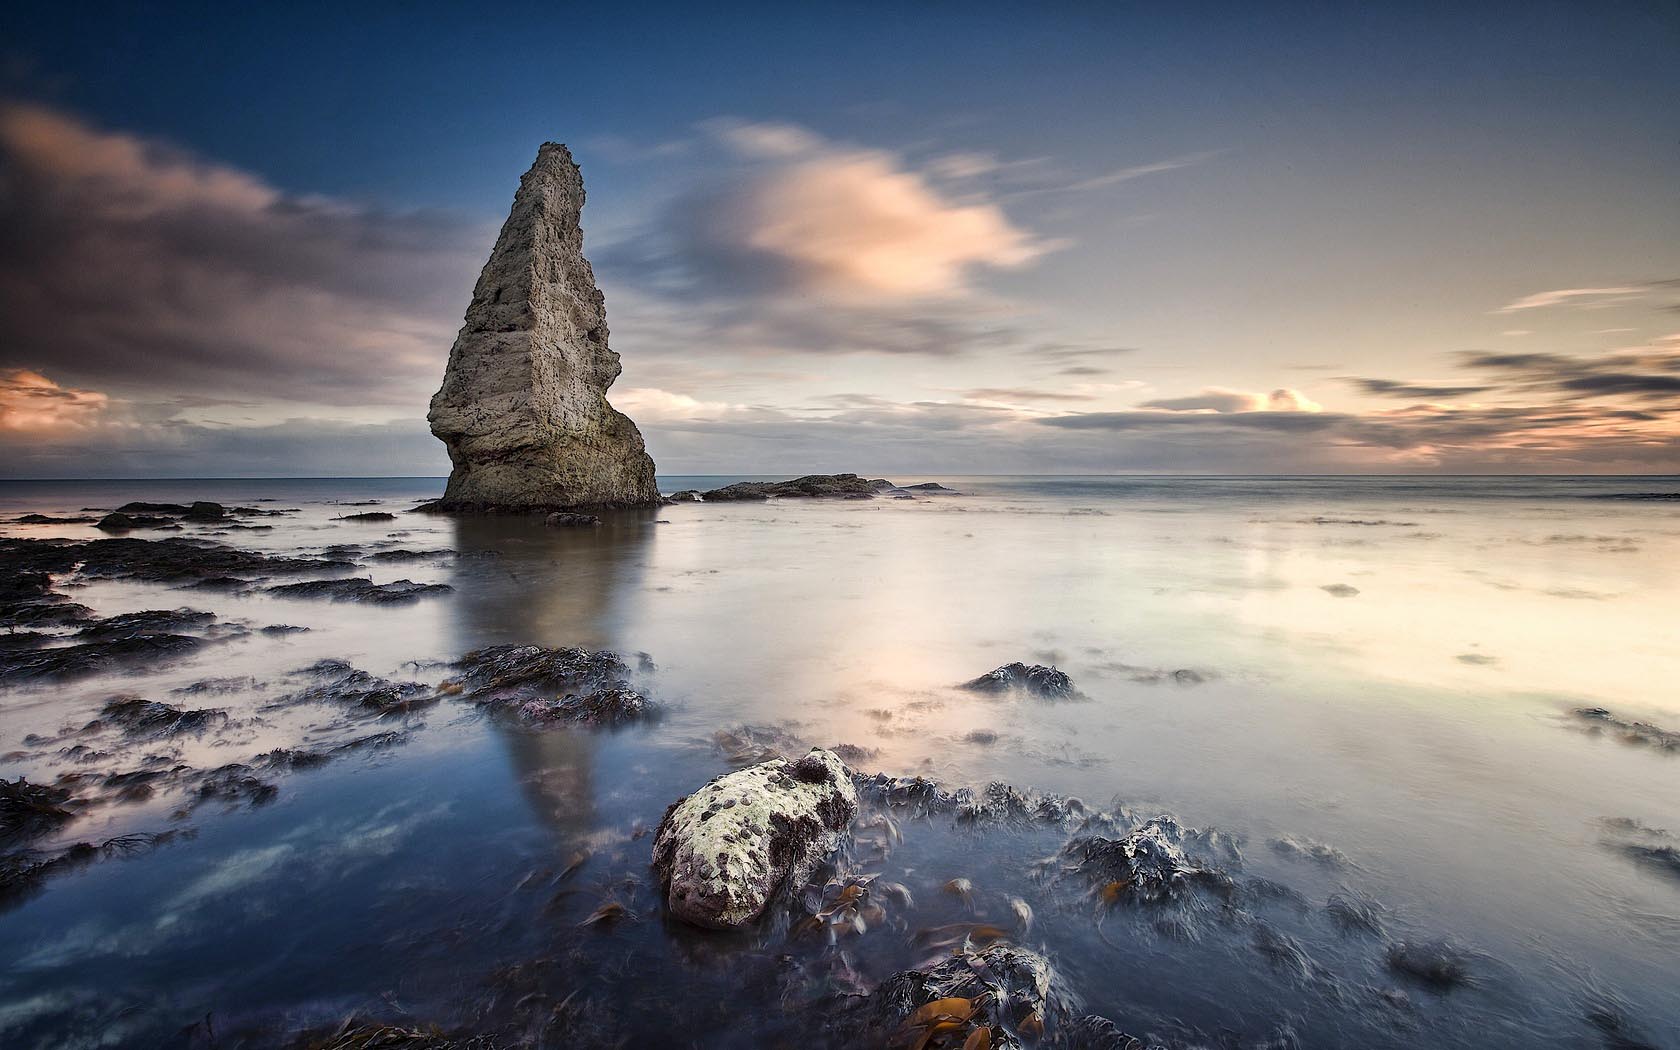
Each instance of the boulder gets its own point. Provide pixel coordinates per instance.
(523, 408)
(726, 851)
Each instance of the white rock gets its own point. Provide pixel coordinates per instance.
(724, 851)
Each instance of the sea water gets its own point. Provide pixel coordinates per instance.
(1371, 684)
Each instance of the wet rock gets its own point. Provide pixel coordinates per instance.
(1655, 848)
(600, 708)
(142, 507)
(926, 486)
(503, 673)
(1439, 964)
(684, 496)
(149, 621)
(569, 520)
(234, 783)
(27, 598)
(29, 810)
(846, 486)
(750, 745)
(1047, 683)
(723, 853)
(1092, 1032)
(204, 510)
(406, 555)
(48, 519)
(138, 717)
(1148, 863)
(1340, 590)
(175, 560)
(1599, 719)
(282, 629)
(1316, 852)
(360, 1035)
(89, 658)
(1354, 914)
(361, 589)
(523, 407)
(1012, 992)
(370, 515)
(117, 521)
(340, 683)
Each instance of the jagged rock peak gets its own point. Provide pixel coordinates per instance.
(523, 408)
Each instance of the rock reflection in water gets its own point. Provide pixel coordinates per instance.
(520, 581)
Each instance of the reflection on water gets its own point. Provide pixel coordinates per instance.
(518, 584)
(1368, 682)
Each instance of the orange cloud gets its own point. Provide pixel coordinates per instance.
(30, 403)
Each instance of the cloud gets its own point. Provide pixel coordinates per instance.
(1138, 171)
(1221, 400)
(31, 403)
(136, 267)
(1572, 296)
(1023, 394)
(798, 215)
(1427, 391)
(1644, 372)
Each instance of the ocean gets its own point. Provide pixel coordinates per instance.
(1429, 718)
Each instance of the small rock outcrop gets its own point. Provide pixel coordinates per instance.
(1010, 994)
(523, 407)
(844, 486)
(724, 852)
(1047, 683)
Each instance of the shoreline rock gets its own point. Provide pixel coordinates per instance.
(723, 853)
(523, 408)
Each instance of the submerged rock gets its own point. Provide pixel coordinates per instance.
(87, 658)
(848, 486)
(340, 683)
(568, 519)
(1048, 683)
(28, 810)
(1440, 964)
(724, 852)
(603, 707)
(362, 589)
(593, 687)
(1010, 992)
(1600, 719)
(139, 717)
(1148, 863)
(117, 521)
(523, 408)
(369, 515)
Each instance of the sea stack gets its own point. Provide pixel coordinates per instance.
(523, 407)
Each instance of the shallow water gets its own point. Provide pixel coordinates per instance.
(1385, 667)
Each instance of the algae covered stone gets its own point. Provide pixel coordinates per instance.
(725, 851)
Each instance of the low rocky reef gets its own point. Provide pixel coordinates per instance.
(1037, 680)
(811, 486)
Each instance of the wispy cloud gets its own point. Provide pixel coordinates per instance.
(1573, 297)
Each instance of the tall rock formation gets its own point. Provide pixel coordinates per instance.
(523, 406)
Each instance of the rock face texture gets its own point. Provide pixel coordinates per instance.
(724, 851)
(523, 407)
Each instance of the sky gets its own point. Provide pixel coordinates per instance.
(915, 238)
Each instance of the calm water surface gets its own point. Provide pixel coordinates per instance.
(1382, 667)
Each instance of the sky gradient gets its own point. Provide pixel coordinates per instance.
(1089, 238)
